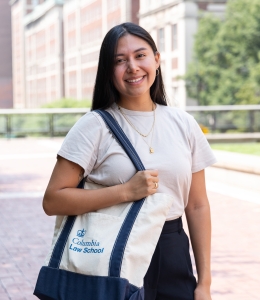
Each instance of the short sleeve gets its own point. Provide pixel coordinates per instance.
(82, 142)
(202, 155)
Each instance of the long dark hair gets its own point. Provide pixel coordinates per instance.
(105, 93)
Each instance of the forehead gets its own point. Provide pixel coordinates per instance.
(130, 43)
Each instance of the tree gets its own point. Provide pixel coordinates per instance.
(226, 65)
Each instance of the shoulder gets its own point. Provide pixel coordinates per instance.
(89, 118)
(90, 128)
(176, 114)
(89, 123)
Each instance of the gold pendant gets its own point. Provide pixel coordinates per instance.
(151, 150)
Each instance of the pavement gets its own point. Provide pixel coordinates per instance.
(237, 162)
(26, 232)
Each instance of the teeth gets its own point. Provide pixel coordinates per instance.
(135, 80)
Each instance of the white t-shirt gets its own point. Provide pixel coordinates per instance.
(180, 149)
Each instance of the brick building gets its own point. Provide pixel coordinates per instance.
(6, 94)
(85, 24)
(56, 46)
(19, 8)
(44, 53)
(173, 24)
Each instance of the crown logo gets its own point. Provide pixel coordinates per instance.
(81, 233)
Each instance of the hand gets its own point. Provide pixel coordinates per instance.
(141, 185)
(202, 293)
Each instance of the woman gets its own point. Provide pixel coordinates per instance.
(171, 146)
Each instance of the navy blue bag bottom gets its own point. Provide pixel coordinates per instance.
(170, 275)
(71, 286)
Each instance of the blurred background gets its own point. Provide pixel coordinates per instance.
(210, 60)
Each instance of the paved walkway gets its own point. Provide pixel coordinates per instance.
(25, 231)
(238, 162)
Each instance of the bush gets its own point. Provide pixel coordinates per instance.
(68, 103)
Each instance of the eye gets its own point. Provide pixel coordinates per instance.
(120, 61)
(141, 55)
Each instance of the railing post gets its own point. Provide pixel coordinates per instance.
(251, 120)
(51, 126)
(8, 126)
(214, 125)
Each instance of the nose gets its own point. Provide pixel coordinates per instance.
(132, 66)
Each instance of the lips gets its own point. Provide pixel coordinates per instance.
(135, 80)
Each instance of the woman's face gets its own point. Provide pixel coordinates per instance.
(135, 67)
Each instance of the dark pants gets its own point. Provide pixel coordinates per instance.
(170, 275)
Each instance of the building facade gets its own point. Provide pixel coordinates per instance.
(173, 24)
(85, 24)
(58, 46)
(44, 53)
(19, 9)
(56, 43)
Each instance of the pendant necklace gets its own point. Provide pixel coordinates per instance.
(151, 149)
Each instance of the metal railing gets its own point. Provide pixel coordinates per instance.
(227, 118)
(35, 122)
(56, 122)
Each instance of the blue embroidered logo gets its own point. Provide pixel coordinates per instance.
(90, 246)
(81, 233)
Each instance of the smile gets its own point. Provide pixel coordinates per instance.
(135, 80)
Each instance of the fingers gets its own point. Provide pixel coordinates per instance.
(152, 179)
(152, 172)
(142, 184)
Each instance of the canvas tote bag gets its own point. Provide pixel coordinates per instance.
(104, 255)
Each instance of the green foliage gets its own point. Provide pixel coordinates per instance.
(39, 124)
(226, 66)
(62, 123)
(68, 103)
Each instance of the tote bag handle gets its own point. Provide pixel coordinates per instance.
(119, 246)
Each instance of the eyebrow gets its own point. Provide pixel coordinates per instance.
(137, 50)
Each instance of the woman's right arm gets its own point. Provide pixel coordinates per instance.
(63, 198)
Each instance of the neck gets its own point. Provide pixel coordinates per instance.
(137, 104)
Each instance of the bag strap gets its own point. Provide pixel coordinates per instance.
(119, 247)
(120, 243)
(121, 138)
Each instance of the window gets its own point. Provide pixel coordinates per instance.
(90, 57)
(71, 21)
(161, 39)
(175, 63)
(174, 37)
(71, 39)
(52, 32)
(89, 15)
(72, 61)
(52, 47)
(89, 36)
(73, 84)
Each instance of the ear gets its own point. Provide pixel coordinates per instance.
(157, 57)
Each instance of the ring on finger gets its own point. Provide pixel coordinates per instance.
(155, 185)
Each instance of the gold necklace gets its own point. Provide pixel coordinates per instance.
(151, 149)
(142, 135)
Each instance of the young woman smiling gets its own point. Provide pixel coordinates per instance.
(171, 146)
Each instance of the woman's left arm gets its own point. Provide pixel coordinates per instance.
(199, 223)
